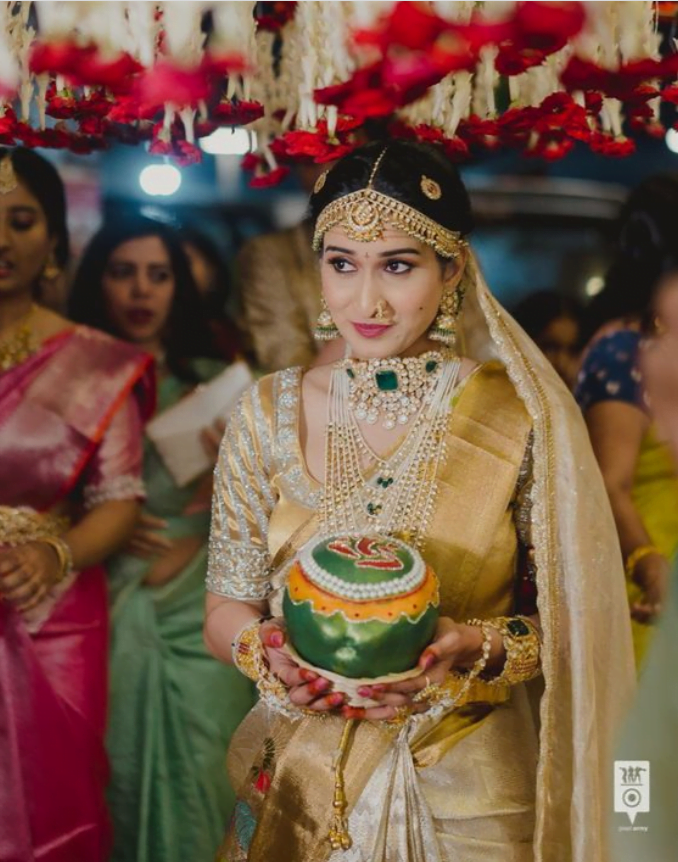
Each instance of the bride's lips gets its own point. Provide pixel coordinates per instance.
(371, 330)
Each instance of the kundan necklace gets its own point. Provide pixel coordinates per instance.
(20, 345)
(391, 390)
(366, 493)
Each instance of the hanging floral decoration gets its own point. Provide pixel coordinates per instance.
(312, 78)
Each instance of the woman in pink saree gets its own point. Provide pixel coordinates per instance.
(72, 403)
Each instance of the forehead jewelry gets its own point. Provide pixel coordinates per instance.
(8, 180)
(365, 214)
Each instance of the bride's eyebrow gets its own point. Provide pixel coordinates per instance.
(340, 250)
(395, 251)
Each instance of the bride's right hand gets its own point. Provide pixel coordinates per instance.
(306, 688)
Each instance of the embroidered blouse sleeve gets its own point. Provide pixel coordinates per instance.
(526, 581)
(114, 471)
(239, 561)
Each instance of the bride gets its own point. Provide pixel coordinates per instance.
(445, 427)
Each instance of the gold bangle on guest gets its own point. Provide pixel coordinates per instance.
(522, 643)
(64, 555)
(637, 555)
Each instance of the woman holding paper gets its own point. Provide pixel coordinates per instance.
(72, 402)
(173, 707)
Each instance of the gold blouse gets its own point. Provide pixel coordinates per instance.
(265, 501)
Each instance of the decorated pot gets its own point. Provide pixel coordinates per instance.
(360, 607)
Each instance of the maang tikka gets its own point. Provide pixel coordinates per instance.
(325, 328)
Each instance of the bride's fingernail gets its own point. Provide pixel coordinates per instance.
(353, 712)
(308, 675)
(276, 639)
(365, 691)
(319, 685)
(426, 661)
(335, 699)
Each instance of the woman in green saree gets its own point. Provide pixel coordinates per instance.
(496, 750)
(173, 707)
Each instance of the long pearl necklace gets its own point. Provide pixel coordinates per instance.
(365, 493)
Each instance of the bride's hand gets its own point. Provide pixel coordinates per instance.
(307, 689)
(455, 646)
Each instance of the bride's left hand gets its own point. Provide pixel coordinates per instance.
(455, 646)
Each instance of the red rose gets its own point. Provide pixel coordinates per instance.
(273, 178)
(250, 161)
(604, 144)
(169, 82)
(237, 113)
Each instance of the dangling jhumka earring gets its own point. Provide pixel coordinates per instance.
(444, 328)
(325, 328)
(51, 270)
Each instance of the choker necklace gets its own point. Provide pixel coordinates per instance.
(367, 494)
(391, 391)
(20, 345)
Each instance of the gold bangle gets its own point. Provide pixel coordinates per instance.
(449, 693)
(523, 649)
(250, 659)
(637, 555)
(64, 555)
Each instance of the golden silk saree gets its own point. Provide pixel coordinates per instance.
(514, 775)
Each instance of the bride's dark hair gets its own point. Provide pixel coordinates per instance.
(399, 176)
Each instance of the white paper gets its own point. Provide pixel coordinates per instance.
(176, 431)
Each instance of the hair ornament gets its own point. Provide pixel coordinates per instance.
(320, 182)
(8, 180)
(431, 189)
(365, 214)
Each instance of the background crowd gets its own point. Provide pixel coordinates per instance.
(154, 310)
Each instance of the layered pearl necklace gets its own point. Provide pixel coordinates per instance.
(365, 493)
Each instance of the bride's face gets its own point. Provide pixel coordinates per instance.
(384, 295)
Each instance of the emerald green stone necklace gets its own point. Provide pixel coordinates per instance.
(391, 390)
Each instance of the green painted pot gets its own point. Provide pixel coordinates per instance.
(361, 607)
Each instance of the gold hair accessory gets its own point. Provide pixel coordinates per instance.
(431, 189)
(8, 179)
(325, 328)
(365, 214)
(522, 643)
(320, 182)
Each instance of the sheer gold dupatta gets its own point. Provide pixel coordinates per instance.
(587, 657)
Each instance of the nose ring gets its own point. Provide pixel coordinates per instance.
(381, 310)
